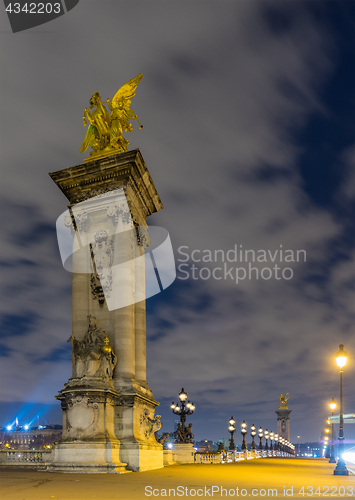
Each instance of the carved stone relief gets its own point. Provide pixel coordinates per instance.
(149, 425)
(100, 191)
(101, 280)
(93, 356)
(81, 220)
(117, 211)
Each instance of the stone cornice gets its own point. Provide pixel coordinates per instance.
(283, 413)
(121, 171)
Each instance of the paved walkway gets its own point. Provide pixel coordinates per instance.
(266, 478)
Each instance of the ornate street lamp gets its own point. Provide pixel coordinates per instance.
(243, 432)
(281, 441)
(271, 440)
(231, 429)
(266, 436)
(183, 433)
(332, 457)
(261, 433)
(253, 434)
(276, 447)
(340, 469)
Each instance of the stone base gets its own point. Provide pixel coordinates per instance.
(88, 442)
(340, 469)
(168, 457)
(86, 457)
(184, 453)
(141, 457)
(135, 425)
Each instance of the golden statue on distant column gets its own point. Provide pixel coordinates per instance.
(283, 401)
(105, 132)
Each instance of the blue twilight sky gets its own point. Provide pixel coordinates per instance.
(248, 113)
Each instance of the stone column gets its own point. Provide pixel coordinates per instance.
(140, 318)
(111, 198)
(283, 423)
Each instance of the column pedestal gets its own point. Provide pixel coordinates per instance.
(184, 453)
(88, 442)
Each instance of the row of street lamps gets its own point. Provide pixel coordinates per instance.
(340, 469)
(281, 444)
(184, 434)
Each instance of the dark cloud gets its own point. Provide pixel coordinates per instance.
(228, 94)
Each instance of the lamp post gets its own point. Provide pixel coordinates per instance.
(276, 447)
(271, 441)
(326, 439)
(266, 436)
(183, 433)
(261, 433)
(340, 469)
(231, 429)
(332, 457)
(243, 432)
(281, 441)
(253, 434)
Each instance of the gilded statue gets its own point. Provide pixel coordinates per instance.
(283, 401)
(105, 132)
(93, 356)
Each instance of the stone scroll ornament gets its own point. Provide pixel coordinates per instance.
(93, 356)
(105, 132)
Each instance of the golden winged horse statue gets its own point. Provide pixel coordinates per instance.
(105, 132)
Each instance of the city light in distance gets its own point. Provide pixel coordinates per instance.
(349, 456)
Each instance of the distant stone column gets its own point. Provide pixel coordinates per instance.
(283, 423)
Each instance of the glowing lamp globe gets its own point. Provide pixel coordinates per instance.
(182, 395)
(341, 356)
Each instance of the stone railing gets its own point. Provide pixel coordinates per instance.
(39, 458)
(209, 458)
(235, 456)
(24, 457)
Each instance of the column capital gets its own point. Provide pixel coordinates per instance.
(126, 171)
(283, 414)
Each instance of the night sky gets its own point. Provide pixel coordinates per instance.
(248, 114)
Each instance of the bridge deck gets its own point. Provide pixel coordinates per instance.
(254, 479)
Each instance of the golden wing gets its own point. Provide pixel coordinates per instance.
(127, 91)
